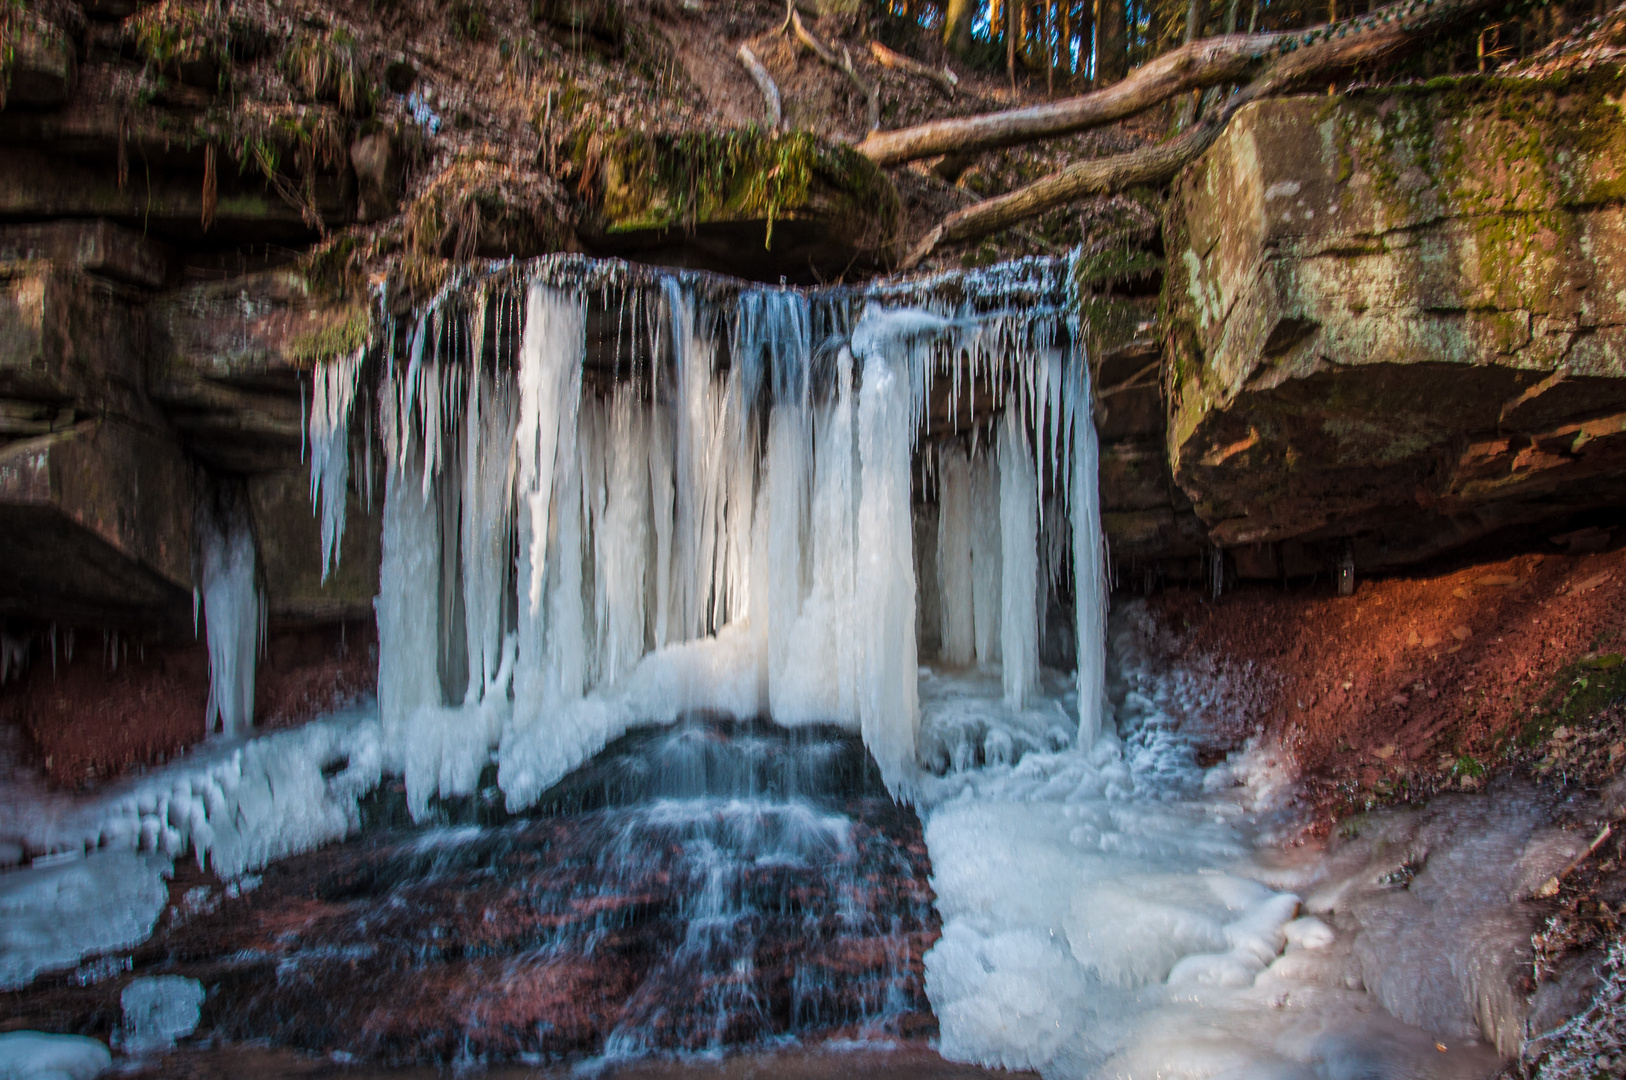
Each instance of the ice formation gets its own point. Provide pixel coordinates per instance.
(34, 1055)
(1119, 911)
(158, 1009)
(711, 509)
(60, 910)
(333, 395)
(232, 610)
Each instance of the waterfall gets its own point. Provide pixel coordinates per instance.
(615, 496)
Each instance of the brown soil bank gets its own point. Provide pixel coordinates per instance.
(107, 704)
(1416, 681)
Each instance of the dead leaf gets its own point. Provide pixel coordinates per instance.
(1505, 581)
(1463, 593)
(1413, 638)
(1461, 633)
(1385, 752)
(1430, 640)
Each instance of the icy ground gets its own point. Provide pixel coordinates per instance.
(1114, 912)
(1123, 912)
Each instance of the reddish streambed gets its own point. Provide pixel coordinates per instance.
(703, 888)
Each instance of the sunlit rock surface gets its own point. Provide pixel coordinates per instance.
(1399, 317)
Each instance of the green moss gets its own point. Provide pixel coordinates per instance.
(341, 333)
(648, 181)
(1512, 157)
(1114, 265)
(1580, 689)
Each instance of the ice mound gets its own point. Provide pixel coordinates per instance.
(1118, 911)
(56, 912)
(158, 1009)
(32, 1055)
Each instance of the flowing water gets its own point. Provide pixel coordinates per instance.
(693, 595)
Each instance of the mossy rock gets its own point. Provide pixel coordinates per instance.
(796, 196)
(1400, 315)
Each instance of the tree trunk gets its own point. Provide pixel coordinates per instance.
(957, 25)
(1111, 42)
(1196, 20)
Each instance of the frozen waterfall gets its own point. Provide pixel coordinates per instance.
(614, 496)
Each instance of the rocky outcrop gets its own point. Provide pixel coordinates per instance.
(1398, 319)
(746, 203)
(121, 403)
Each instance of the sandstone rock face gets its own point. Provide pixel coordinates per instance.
(1398, 319)
(122, 403)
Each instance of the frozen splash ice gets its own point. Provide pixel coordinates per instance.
(708, 494)
(1120, 911)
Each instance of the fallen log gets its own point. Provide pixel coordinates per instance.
(944, 79)
(1209, 62)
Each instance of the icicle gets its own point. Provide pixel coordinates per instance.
(567, 631)
(1019, 579)
(954, 578)
(986, 557)
(1089, 562)
(784, 498)
(888, 696)
(408, 609)
(621, 540)
(487, 507)
(698, 443)
(333, 394)
(816, 677)
(550, 364)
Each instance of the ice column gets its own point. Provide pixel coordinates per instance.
(487, 513)
(954, 555)
(817, 679)
(550, 375)
(784, 505)
(1089, 562)
(986, 613)
(888, 696)
(408, 607)
(621, 539)
(1019, 540)
(231, 611)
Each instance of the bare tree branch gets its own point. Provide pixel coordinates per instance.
(1210, 62)
(1190, 67)
(765, 83)
(1312, 55)
(843, 64)
(944, 79)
